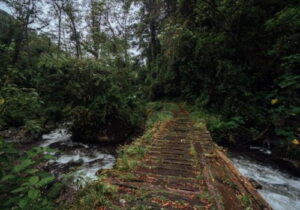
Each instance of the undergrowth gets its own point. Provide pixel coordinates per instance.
(23, 182)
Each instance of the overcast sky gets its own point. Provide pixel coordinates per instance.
(4, 7)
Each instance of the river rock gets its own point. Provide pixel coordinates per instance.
(255, 184)
(292, 166)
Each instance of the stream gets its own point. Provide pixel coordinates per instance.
(78, 163)
(279, 189)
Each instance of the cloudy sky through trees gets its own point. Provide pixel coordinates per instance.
(74, 22)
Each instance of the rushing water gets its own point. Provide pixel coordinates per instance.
(76, 162)
(280, 190)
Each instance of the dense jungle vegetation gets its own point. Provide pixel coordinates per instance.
(95, 64)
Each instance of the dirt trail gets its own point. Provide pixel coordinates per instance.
(184, 169)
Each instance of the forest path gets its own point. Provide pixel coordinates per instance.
(185, 169)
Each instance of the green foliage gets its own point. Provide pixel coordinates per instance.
(287, 18)
(22, 182)
(217, 124)
(94, 195)
(223, 129)
(40, 84)
(93, 97)
(20, 106)
(159, 111)
(233, 59)
(99, 99)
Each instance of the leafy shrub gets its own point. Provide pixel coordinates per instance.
(224, 129)
(20, 106)
(98, 100)
(22, 182)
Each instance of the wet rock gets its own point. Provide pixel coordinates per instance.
(66, 147)
(57, 169)
(291, 165)
(255, 184)
(96, 161)
(75, 163)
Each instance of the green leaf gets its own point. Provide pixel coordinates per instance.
(33, 194)
(49, 157)
(34, 180)
(19, 189)
(46, 181)
(23, 203)
(48, 149)
(31, 171)
(55, 190)
(8, 177)
(24, 164)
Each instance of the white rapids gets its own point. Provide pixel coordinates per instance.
(280, 190)
(79, 161)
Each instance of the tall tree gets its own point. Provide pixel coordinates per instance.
(108, 33)
(95, 36)
(150, 19)
(71, 9)
(57, 9)
(25, 13)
